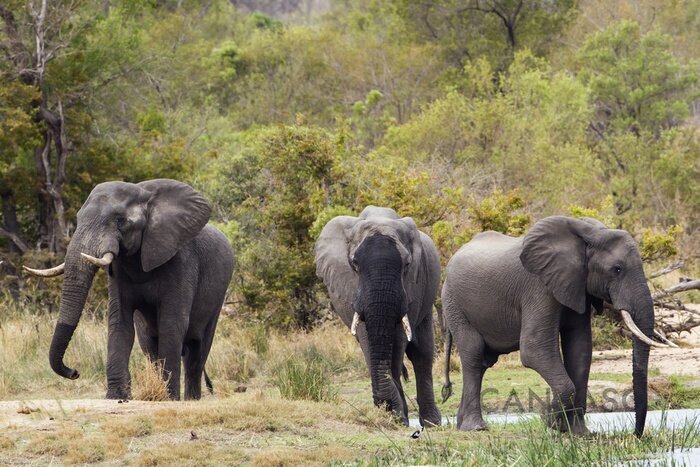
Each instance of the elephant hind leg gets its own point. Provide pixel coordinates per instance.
(194, 367)
(195, 357)
(472, 351)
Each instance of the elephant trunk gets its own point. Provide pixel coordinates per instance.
(381, 334)
(76, 285)
(637, 299)
(644, 319)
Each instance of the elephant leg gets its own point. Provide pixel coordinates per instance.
(120, 340)
(194, 366)
(173, 322)
(577, 349)
(398, 351)
(471, 349)
(421, 355)
(539, 350)
(144, 333)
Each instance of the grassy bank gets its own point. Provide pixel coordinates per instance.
(290, 398)
(265, 429)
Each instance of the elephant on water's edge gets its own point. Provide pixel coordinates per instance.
(382, 276)
(168, 274)
(502, 294)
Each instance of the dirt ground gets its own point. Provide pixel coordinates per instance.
(684, 361)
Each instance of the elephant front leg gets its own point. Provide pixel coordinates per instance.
(539, 350)
(120, 340)
(420, 352)
(577, 350)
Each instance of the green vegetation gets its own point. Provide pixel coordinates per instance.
(464, 115)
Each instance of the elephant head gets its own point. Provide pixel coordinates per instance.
(371, 266)
(144, 223)
(583, 263)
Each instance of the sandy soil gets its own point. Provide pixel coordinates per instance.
(684, 361)
(39, 414)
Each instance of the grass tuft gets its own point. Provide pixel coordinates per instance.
(305, 377)
(149, 382)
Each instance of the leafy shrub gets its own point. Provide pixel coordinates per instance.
(656, 246)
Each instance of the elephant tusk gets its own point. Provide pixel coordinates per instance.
(637, 332)
(106, 259)
(51, 272)
(407, 327)
(665, 340)
(355, 322)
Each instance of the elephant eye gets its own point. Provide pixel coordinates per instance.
(617, 269)
(121, 221)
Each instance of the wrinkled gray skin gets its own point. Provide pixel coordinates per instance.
(383, 267)
(502, 294)
(169, 277)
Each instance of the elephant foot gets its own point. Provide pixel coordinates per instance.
(473, 424)
(430, 418)
(120, 394)
(569, 423)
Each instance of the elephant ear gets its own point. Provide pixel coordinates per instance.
(333, 263)
(555, 250)
(416, 250)
(176, 214)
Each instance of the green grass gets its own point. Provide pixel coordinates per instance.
(285, 416)
(304, 376)
(265, 429)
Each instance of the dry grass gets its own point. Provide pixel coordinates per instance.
(149, 382)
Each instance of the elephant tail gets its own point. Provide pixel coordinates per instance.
(207, 381)
(447, 387)
(404, 372)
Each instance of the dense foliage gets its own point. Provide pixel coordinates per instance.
(466, 115)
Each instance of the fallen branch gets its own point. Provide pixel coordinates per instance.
(677, 265)
(680, 287)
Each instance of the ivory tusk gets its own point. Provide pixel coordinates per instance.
(51, 272)
(355, 322)
(106, 259)
(665, 340)
(637, 332)
(407, 327)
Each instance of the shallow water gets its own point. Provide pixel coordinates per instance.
(613, 422)
(609, 422)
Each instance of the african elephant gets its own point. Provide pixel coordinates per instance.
(503, 293)
(168, 273)
(382, 276)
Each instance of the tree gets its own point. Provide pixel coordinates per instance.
(492, 29)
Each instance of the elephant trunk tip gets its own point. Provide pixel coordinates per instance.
(59, 344)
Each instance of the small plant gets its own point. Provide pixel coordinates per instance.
(304, 377)
(149, 384)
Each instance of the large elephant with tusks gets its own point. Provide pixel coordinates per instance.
(168, 274)
(535, 294)
(382, 275)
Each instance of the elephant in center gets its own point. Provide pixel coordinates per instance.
(382, 276)
(503, 293)
(168, 274)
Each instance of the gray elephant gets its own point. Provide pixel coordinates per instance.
(168, 273)
(382, 275)
(502, 294)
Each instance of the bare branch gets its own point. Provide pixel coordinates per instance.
(14, 238)
(670, 268)
(680, 287)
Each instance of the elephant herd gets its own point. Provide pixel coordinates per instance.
(169, 271)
